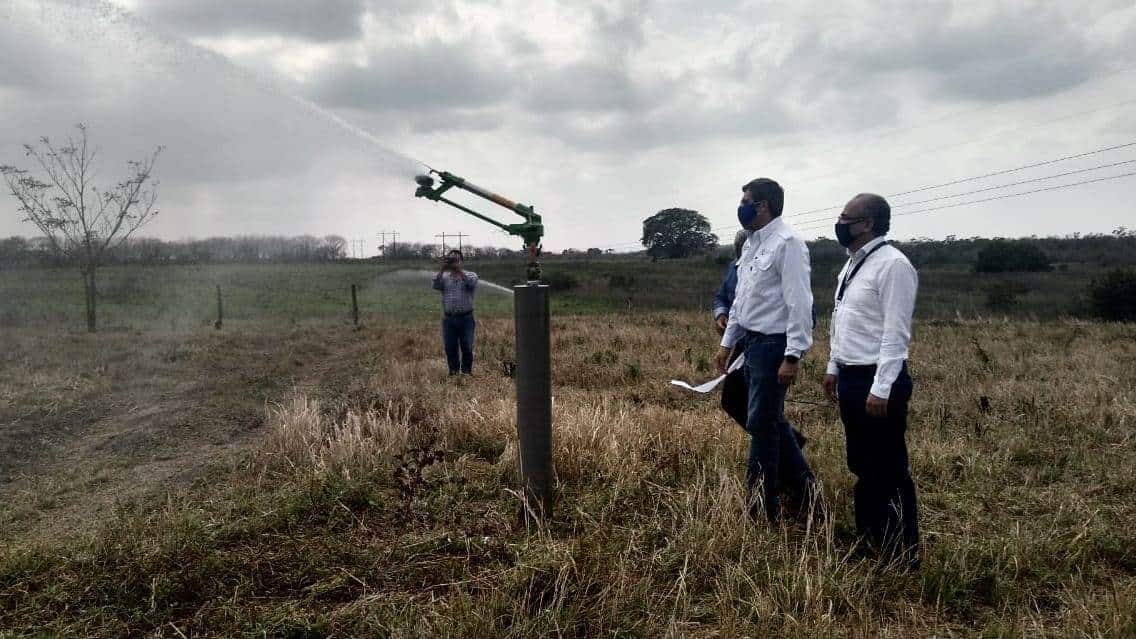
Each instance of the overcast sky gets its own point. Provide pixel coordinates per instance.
(599, 113)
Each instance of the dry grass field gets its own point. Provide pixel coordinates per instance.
(322, 482)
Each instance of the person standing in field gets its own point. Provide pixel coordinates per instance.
(735, 400)
(771, 320)
(867, 375)
(458, 326)
(724, 298)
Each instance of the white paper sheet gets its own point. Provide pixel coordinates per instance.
(706, 387)
(701, 388)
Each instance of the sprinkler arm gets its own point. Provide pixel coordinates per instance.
(531, 230)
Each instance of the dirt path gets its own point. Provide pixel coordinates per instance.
(89, 423)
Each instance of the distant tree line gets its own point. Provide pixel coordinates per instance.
(246, 249)
(1115, 249)
(993, 255)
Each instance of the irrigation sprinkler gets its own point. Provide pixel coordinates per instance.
(533, 343)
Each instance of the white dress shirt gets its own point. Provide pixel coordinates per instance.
(773, 293)
(872, 324)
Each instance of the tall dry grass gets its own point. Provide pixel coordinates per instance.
(388, 509)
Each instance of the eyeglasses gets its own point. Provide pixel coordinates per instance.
(851, 220)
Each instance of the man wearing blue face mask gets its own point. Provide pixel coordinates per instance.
(867, 375)
(771, 319)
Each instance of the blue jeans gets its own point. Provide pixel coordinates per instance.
(458, 331)
(774, 454)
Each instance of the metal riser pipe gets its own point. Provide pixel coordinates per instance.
(534, 400)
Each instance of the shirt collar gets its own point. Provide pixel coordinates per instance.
(767, 230)
(876, 241)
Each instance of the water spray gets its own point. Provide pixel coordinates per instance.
(532, 322)
(531, 230)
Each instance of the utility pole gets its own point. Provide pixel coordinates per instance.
(383, 245)
(445, 235)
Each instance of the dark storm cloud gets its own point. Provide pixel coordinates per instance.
(428, 76)
(322, 21)
(674, 125)
(136, 91)
(589, 86)
(650, 86)
(1010, 53)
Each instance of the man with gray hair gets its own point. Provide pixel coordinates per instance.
(867, 375)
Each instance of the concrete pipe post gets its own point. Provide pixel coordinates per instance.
(534, 400)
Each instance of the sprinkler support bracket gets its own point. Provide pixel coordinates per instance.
(531, 230)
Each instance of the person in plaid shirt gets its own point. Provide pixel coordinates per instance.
(457, 286)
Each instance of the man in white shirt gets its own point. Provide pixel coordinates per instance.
(771, 318)
(867, 374)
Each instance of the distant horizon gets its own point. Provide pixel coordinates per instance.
(1121, 231)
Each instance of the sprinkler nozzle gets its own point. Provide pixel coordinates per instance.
(424, 180)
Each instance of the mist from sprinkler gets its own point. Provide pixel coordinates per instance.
(135, 52)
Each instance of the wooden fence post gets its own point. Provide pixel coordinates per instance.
(220, 310)
(354, 307)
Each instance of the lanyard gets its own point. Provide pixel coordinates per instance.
(848, 278)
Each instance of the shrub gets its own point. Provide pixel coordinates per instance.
(560, 281)
(1113, 297)
(619, 280)
(1003, 256)
(1003, 296)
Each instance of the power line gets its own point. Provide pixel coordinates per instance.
(997, 197)
(980, 177)
(814, 225)
(974, 178)
(990, 188)
(996, 134)
(853, 144)
(1020, 168)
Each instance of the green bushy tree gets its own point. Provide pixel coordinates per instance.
(677, 233)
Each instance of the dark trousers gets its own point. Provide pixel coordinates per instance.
(457, 337)
(774, 455)
(877, 454)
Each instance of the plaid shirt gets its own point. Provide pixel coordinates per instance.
(457, 292)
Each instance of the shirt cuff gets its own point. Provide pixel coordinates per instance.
(793, 352)
(832, 369)
(721, 310)
(880, 389)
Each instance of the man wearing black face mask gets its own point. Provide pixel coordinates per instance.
(771, 318)
(867, 374)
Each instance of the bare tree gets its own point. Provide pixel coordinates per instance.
(81, 221)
